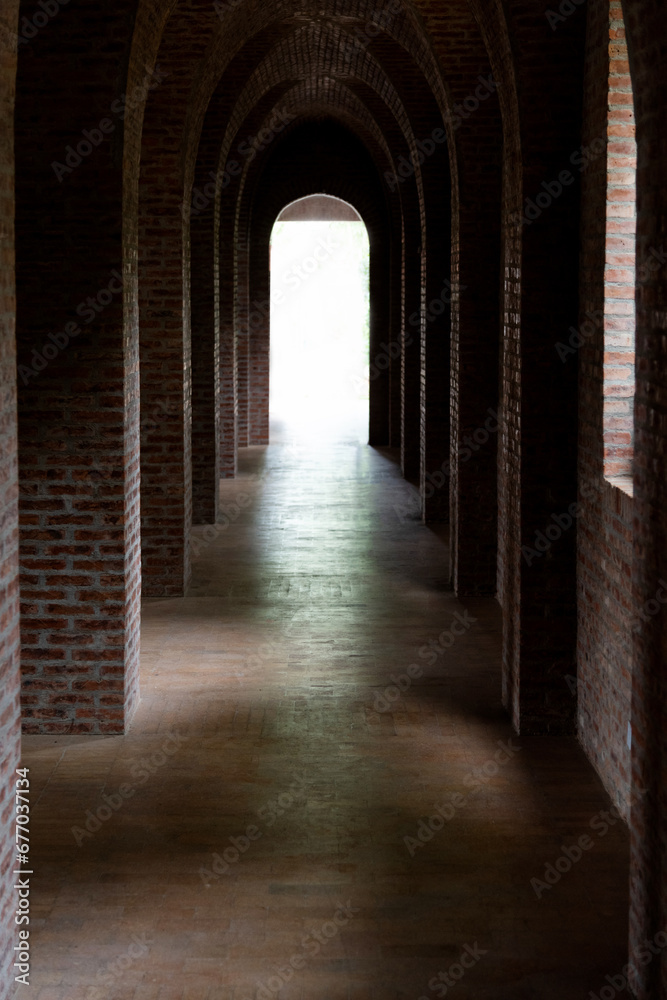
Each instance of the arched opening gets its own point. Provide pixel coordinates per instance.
(621, 274)
(320, 321)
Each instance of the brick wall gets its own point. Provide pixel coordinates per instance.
(231, 243)
(229, 406)
(206, 408)
(606, 607)
(241, 297)
(9, 620)
(539, 431)
(78, 406)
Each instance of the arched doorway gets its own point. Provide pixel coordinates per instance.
(320, 314)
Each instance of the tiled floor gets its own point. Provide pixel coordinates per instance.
(265, 705)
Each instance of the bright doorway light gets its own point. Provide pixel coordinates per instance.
(320, 312)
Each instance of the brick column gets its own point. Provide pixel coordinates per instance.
(78, 384)
(475, 336)
(436, 344)
(242, 329)
(413, 323)
(206, 410)
(229, 406)
(165, 341)
(538, 440)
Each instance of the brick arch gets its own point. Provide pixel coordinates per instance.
(391, 119)
(319, 207)
(258, 20)
(405, 392)
(406, 28)
(294, 37)
(187, 41)
(303, 98)
(298, 103)
(166, 451)
(218, 228)
(413, 412)
(354, 180)
(458, 59)
(347, 108)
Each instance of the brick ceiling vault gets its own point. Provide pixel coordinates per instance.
(297, 59)
(220, 68)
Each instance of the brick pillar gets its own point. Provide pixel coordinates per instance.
(413, 321)
(475, 339)
(538, 445)
(229, 407)
(78, 386)
(242, 331)
(206, 384)
(166, 369)
(10, 722)
(436, 344)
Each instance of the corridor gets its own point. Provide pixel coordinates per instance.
(260, 835)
